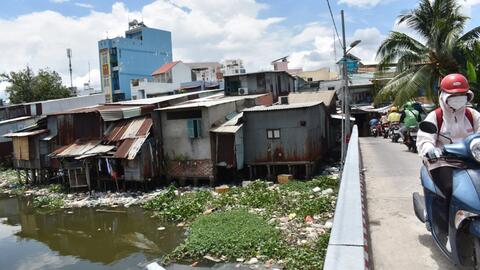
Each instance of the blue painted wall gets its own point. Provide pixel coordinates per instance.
(138, 54)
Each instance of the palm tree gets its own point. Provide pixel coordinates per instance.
(441, 50)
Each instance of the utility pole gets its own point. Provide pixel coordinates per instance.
(69, 55)
(345, 100)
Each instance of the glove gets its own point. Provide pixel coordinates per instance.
(433, 153)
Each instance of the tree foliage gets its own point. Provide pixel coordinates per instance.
(441, 47)
(26, 86)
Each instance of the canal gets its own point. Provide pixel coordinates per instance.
(83, 238)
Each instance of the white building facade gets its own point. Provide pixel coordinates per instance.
(165, 80)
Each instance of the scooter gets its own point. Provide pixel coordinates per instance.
(385, 130)
(395, 132)
(460, 220)
(411, 139)
(374, 131)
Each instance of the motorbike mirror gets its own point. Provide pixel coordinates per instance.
(428, 127)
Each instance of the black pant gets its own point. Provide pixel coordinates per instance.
(443, 178)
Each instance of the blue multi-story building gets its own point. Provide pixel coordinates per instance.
(134, 56)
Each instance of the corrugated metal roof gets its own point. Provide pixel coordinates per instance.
(165, 68)
(21, 118)
(115, 114)
(324, 96)
(83, 149)
(127, 129)
(227, 129)
(282, 107)
(155, 100)
(129, 148)
(77, 148)
(131, 134)
(210, 101)
(26, 133)
(90, 109)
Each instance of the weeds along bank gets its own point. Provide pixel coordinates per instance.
(284, 226)
(260, 223)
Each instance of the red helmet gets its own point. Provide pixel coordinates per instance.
(455, 84)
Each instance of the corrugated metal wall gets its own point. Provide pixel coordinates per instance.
(296, 142)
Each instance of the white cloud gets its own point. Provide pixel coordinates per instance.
(370, 40)
(206, 30)
(84, 5)
(361, 3)
(59, 1)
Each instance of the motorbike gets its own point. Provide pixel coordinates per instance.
(394, 132)
(374, 131)
(385, 130)
(459, 220)
(411, 139)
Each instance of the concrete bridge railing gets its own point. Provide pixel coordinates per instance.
(347, 248)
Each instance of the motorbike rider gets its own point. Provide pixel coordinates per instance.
(393, 116)
(410, 117)
(453, 120)
(373, 122)
(384, 119)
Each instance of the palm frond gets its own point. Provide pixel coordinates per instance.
(420, 80)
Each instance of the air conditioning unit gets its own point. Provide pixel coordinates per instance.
(242, 91)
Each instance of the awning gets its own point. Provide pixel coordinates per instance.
(340, 117)
(226, 129)
(370, 108)
(26, 133)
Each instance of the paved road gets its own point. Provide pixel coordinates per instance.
(398, 239)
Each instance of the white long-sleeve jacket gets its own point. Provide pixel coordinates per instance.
(455, 126)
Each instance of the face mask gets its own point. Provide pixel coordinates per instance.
(457, 102)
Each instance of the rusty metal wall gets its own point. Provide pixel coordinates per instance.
(302, 135)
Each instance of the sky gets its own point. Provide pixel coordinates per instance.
(37, 32)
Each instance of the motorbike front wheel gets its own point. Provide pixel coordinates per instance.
(476, 250)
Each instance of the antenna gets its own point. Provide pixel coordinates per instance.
(69, 55)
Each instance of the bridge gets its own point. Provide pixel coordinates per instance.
(393, 238)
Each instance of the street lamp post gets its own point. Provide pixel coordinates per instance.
(346, 129)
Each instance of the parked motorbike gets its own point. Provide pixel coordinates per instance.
(394, 132)
(459, 221)
(385, 130)
(411, 139)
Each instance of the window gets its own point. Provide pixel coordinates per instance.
(331, 88)
(273, 133)
(194, 128)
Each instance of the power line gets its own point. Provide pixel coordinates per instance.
(334, 24)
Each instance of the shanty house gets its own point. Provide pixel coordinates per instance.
(329, 100)
(286, 138)
(278, 83)
(186, 135)
(12, 125)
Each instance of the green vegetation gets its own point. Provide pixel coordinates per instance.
(233, 234)
(174, 207)
(309, 257)
(295, 197)
(50, 202)
(253, 221)
(240, 234)
(26, 86)
(443, 48)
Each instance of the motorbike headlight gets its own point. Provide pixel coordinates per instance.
(461, 215)
(475, 149)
